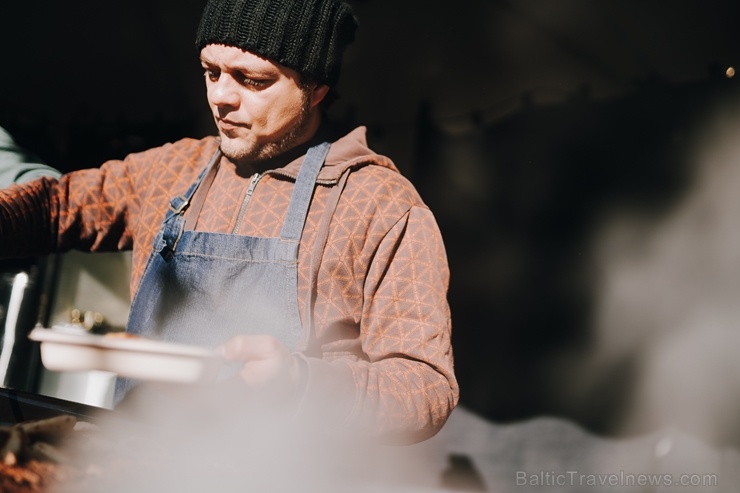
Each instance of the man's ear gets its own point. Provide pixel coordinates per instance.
(318, 93)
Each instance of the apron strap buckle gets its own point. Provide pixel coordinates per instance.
(179, 204)
(167, 253)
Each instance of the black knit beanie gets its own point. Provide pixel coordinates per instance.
(308, 36)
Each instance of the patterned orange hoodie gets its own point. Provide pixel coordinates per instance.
(381, 352)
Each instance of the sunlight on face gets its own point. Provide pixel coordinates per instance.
(259, 106)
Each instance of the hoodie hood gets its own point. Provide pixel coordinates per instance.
(347, 152)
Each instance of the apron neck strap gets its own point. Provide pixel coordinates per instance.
(174, 222)
(179, 204)
(198, 197)
(303, 192)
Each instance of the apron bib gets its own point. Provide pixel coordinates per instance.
(202, 288)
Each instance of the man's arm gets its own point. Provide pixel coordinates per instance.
(407, 388)
(87, 210)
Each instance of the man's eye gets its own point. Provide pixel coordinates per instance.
(212, 75)
(249, 81)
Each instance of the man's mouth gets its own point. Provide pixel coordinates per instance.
(228, 125)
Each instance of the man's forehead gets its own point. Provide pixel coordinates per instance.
(235, 57)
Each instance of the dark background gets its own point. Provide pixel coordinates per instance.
(523, 123)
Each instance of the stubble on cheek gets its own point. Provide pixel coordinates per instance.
(241, 147)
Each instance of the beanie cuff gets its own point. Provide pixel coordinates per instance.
(309, 36)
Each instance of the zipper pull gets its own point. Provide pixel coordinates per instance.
(253, 184)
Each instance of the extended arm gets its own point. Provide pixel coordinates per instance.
(85, 210)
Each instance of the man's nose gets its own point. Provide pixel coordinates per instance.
(224, 92)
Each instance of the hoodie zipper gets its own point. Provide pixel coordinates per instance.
(253, 184)
(250, 190)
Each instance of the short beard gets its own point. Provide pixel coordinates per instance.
(291, 138)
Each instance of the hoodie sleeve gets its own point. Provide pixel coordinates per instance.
(86, 210)
(408, 382)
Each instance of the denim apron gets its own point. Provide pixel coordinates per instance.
(202, 288)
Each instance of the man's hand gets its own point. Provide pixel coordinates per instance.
(267, 362)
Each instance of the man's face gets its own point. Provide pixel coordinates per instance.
(259, 106)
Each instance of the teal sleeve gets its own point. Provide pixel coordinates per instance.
(17, 165)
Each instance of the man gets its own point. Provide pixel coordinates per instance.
(305, 258)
